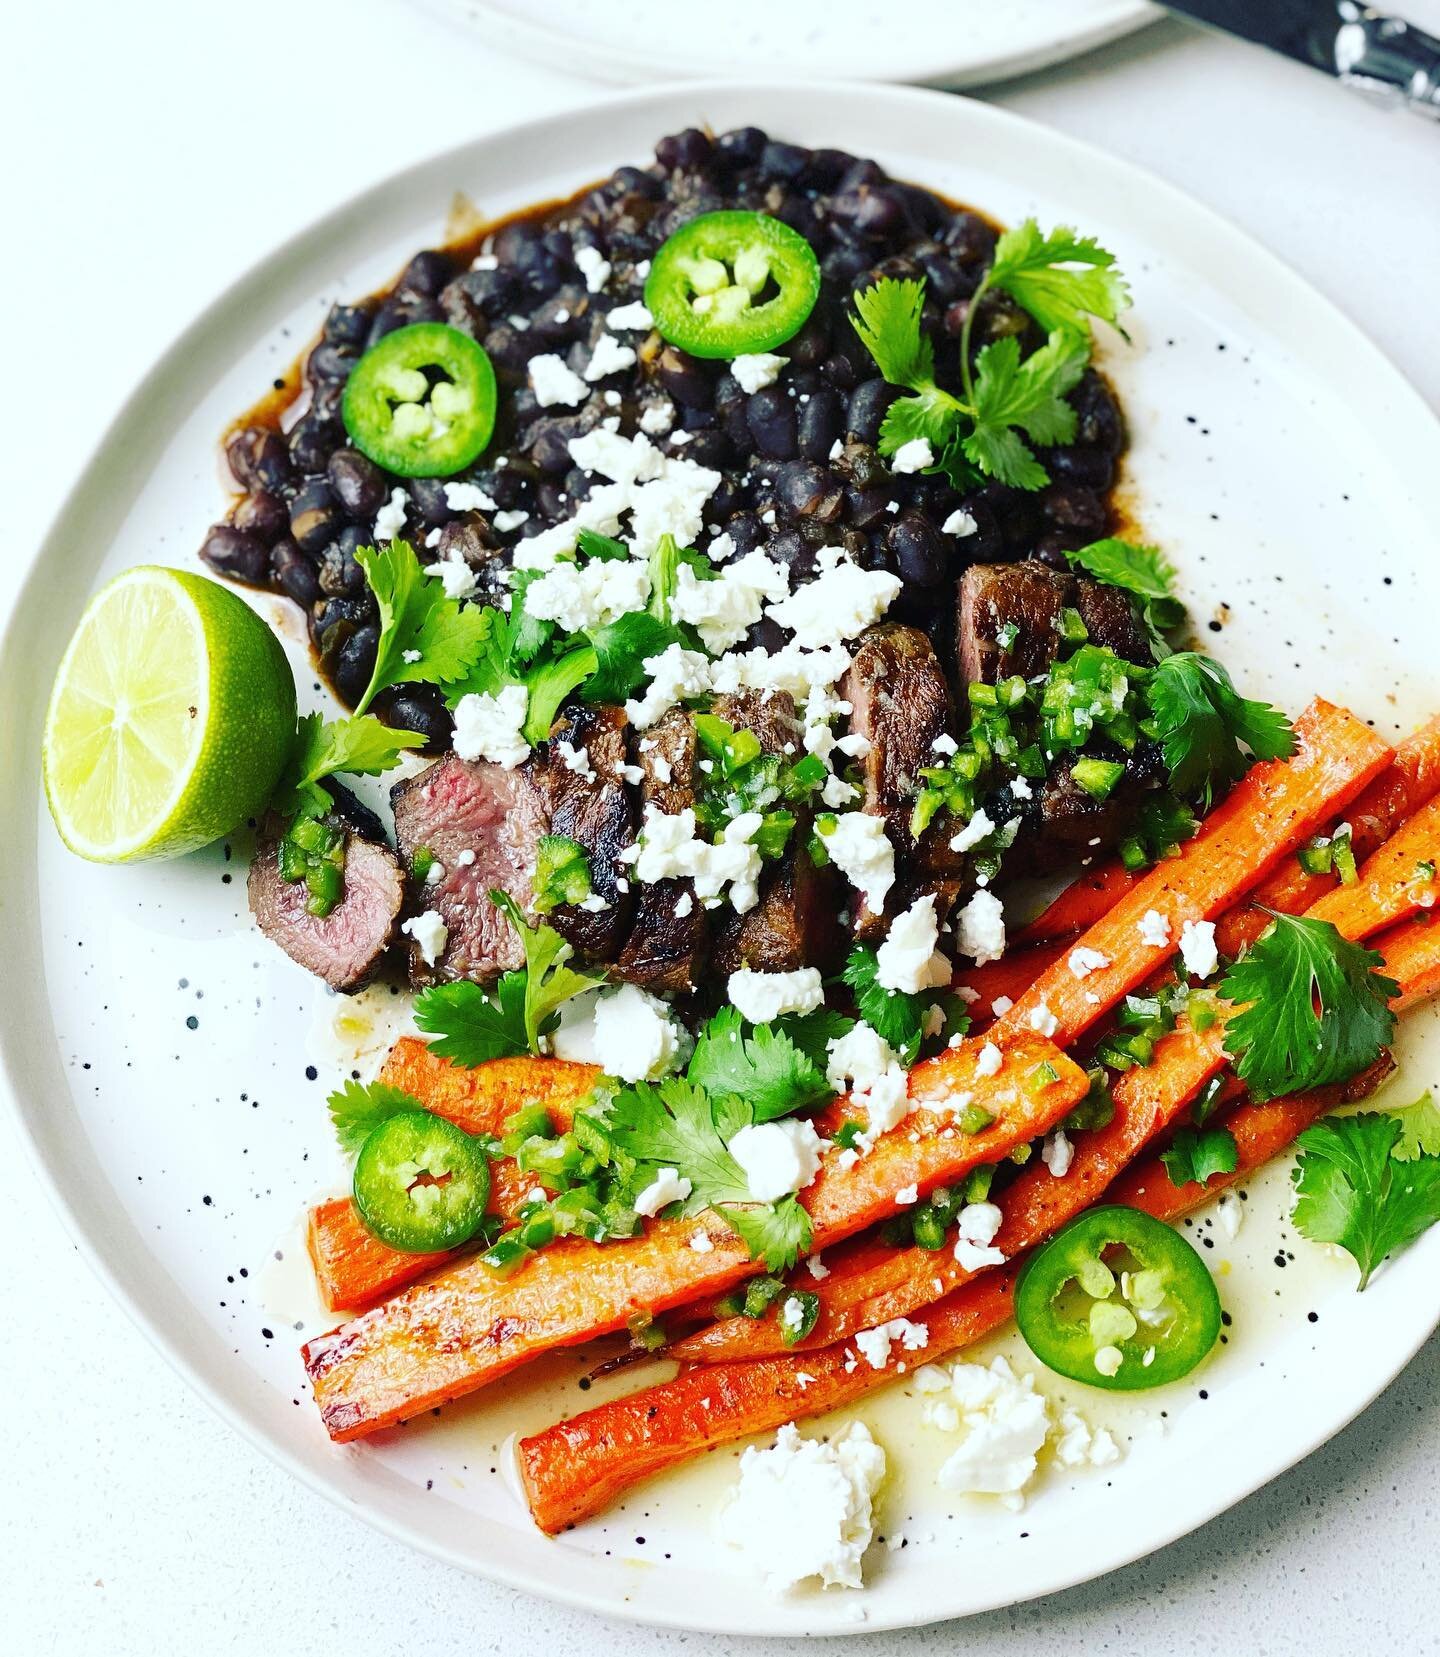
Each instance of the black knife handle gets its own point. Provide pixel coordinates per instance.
(1388, 59)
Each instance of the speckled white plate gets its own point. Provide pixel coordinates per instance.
(157, 1047)
(934, 42)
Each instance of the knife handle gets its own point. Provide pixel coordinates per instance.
(1388, 59)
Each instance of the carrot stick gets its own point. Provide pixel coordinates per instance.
(353, 1268)
(1412, 958)
(1009, 977)
(1275, 808)
(1080, 905)
(578, 1467)
(462, 1328)
(1393, 883)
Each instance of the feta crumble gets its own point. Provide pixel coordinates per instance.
(762, 997)
(988, 1060)
(593, 266)
(390, 519)
(913, 456)
(865, 1060)
(668, 848)
(874, 1345)
(668, 1186)
(492, 726)
(1004, 1420)
(838, 605)
(636, 1037)
(980, 825)
(467, 497)
(908, 959)
(1154, 929)
(1084, 961)
(554, 381)
(608, 357)
(860, 849)
(975, 1232)
(756, 369)
(1197, 948)
(632, 318)
(980, 929)
(959, 523)
(1057, 1153)
(430, 934)
(777, 1158)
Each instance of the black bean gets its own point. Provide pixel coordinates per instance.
(866, 507)
(293, 572)
(234, 552)
(683, 151)
(877, 554)
(477, 295)
(339, 575)
(841, 265)
(548, 441)
(811, 345)
(261, 513)
(1021, 524)
(1051, 549)
(635, 181)
(330, 364)
(355, 662)
(766, 634)
(708, 448)
(551, 500)
(970, 239)
(741, 146)
(729, 496)
(985, 543)
(820, 423)
(827, 168)
(334, 619)
(1071, 506)
(946, 280)
(258, 459)
(359, 484)
(919, 550)
(866, 408)
(807, 490)
(417, 708)
(540, 270)
(508, 348)
(315, 515)
(770, 414)
(427, 273)
(313, 439)
(1100, 424)
(347, 325)
(577, 484)
(791, 550)
(745, 530)
(392, 314)
(1093, 468)
(871, 211)
(427, 501)
(686, 378)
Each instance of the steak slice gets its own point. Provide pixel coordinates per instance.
(900, 702)
(345, 947)
(461, 807)
(592, 807)
(795, 924)
(666, 950)
(1030, 597)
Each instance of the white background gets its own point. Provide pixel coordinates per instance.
(152, 151)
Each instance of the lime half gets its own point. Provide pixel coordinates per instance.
(172, 715)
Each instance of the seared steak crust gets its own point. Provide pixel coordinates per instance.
(1030, 597)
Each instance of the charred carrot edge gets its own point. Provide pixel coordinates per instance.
(859, 1293)
(462, 1327)
(1408, 782)
(1009, 977)
(353, 1268)
(1278, 806)
(578, 1467)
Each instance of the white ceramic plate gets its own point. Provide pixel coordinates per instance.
(935, 42)
(156, 1046)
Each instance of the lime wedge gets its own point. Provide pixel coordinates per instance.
(172, 715)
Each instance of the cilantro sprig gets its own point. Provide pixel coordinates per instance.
(1196, 1155)
(898, 1017)
(766, 1068)
(358, 1108)
(360, 746)
(425, 636)
(473, 1025)
(1062, 280)
(1313, 1008)
(1146, 574)
(1209, 732)
(1365, 1184)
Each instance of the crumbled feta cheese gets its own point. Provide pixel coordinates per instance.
(1005, 1422)
(435, 873)
(866, 1061)
(554, 381)
(724, 609)
(700, 1242)
(657, 419)
(430, 934)
(668, 849)
(975, 1231)
(1020, 788)
(675, 675)
(668, 1186)
(636, 1038)
(792, 1315)
(907, 1196)
(506, 521)
(1042, 1021)
(988, 1060)
(582, 596)
(777, 1158)
(944, 745)
(817, 1268)
(763, 996)
(1230, 1213)
(492, 726)
(1078, 1445)
(789, 669)
(410, 656)
(465, 859)
(467, 497)
(575, 759)
(874, 1345)
(804, 1507)
(608, 357)
(1083, 961)
(593, 266)
(484, 261)
(980, 929)
(959, 523)
(632, 318)
(390, 519)
(1001, 1005)
(756, 369)
(837, 605)
(1154, 929)
(1057, 1153)
(980, 825)
(908, 959)
(913, 456)
(859, 848)
(1197, 948)
(683, 905)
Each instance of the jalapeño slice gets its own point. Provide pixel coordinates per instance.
(1117, 1300)
(421, 402)
(727, 284)
(421, 1183)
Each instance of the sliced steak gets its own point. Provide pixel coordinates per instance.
(900, 702)
(1030, 597)
(795, 924)
(345, 947)
(666, 949)
(460, 807)
(591, 806)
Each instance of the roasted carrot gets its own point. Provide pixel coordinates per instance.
(1079, 906)
(1393, 883)
(1007, 978)
(463, 1327)
(1277, 807)
(1412, 958)
(579, 1467)
(353, 1268)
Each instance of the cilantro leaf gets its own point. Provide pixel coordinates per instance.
(1282, 1041)
(779, 1234)
(1207, 730)
(1027, 394)
(1196, 1154)
(417, 619)
(474, 1025)
(500, 660)
(897, 1017)
(360, 746)
(1144, 571)
(562, 872)
(813, 1032)
(549, 684)
(528, 635)
(358, 1108)
(549, 983)
(1038, 270)
(887, 319)
(765, 1068)
(1419, 1129)
(931, 413)
(1353, 1191)
(621, 647)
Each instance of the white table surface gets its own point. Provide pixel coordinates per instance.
(152, 150)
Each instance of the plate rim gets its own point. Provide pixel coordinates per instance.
(234, 1410)
(611, 65)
